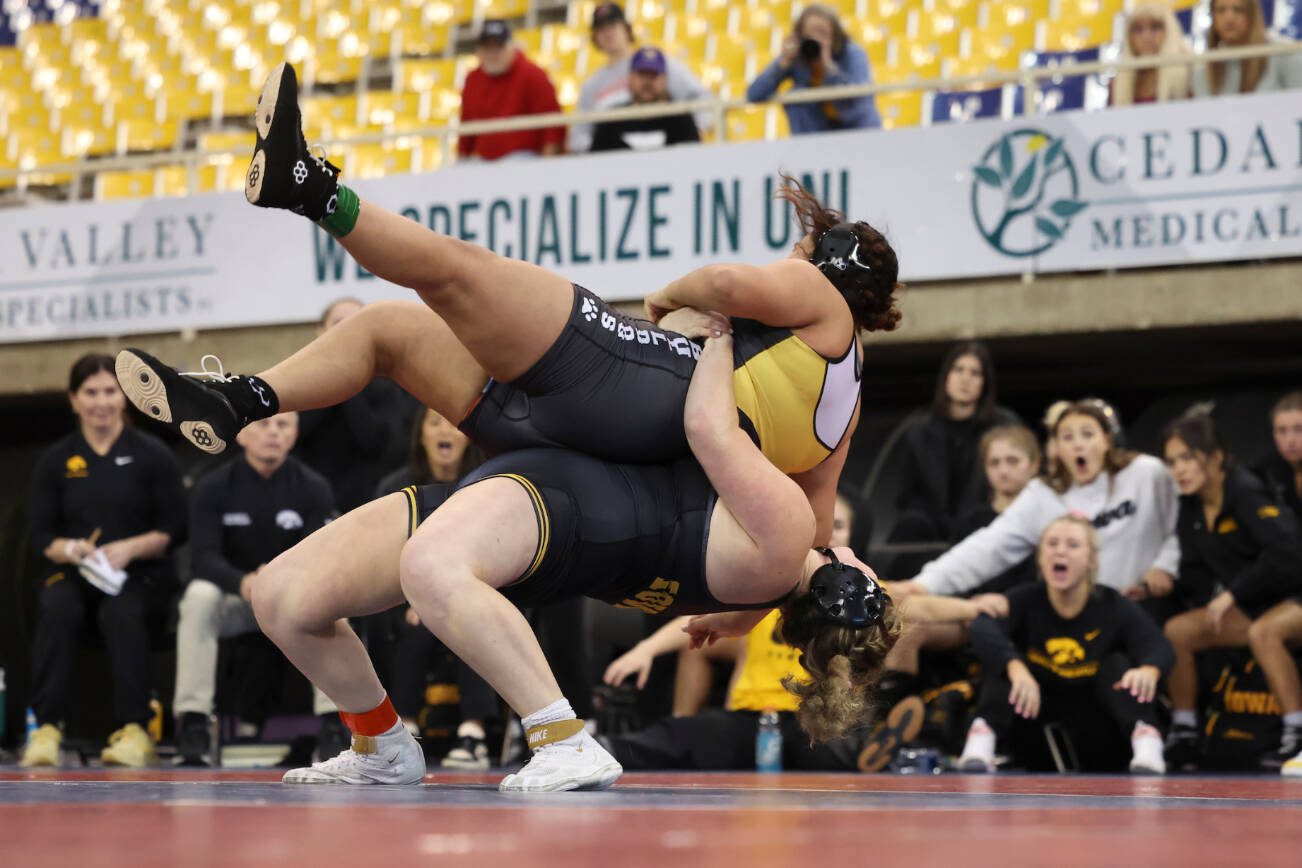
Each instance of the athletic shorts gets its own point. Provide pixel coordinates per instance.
(629, 535)
(610, 386)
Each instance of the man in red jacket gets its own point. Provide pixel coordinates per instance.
(505, 85)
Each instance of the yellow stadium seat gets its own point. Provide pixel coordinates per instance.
(890, 14)
(416, 37)
(236, 142)
(750, 124)
(87, 141)
(138, 135)
(177, 180)
(1092, 8)
(503, 8)
(135, 184)
(376, 161)
(1074, 34)
(428, 155)
(530, 39)
(421, 75)
(384, 108)
(187, 104)
(1005, 38)
(900, 109)
(942, 25)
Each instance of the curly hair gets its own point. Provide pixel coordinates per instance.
(1116, 459)
(873, 310)
(844, 665)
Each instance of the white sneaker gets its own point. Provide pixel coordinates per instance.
(392, 758)
(1292, 768)
(979, 749)
(1146, 751)
(577, 763)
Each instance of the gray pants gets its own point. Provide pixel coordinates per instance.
(209, 614)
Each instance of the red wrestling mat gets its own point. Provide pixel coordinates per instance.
(91, 818)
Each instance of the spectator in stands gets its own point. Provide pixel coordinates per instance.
(346, 443)
(648, 83)
(1282, 472)
(106, 505)
(1238, 23)
(1130, 498)
(1070, 653)
(1010, 456)
(440, 455)
(819, 53)
(242, 515)
(942, 477)
(507, 84)
(609, 86)
(1240, 564)
(1151, 31)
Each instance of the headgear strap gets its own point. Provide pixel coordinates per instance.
(846, 595)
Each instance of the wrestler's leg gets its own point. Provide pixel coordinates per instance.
(401, 340)
(482, 538)
(345, 569)
(507, 312)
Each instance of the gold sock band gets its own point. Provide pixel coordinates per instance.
(550, 733)
(363, 743)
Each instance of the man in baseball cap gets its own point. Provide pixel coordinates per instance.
(609, 86)
(506, 84)
(648, 82)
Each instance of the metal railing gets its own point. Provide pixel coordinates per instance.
(194, 159)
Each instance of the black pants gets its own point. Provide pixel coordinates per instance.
(403, 655)
(718, 740)
(124, 622)
(1097, 718)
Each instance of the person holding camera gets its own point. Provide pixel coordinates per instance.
(819, 54)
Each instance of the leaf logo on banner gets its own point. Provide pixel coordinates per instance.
(1025, 193)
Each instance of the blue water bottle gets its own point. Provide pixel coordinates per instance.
(2, 705)
(768, 743)
(31, 725)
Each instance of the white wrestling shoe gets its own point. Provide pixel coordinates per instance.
(392, 758)
(1146, 751)
(563, 759)
(979, 750)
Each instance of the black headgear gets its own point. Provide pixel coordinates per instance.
(836, 254)
(846, 595)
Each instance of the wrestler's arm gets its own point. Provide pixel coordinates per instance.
(789, 293)
(935, 609)
(768, 505)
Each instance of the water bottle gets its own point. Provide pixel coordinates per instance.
(31, 724)
(768, 743)
(2, 705)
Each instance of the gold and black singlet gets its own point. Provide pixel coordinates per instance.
(796, 404)
(614, 387)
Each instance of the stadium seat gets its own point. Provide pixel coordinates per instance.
(376, 161)
(900, 109)
(177, 180)
(1060, 93)
(969, 105)
(135, 184)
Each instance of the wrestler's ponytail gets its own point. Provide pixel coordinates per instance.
(844, 665)
(874, 305)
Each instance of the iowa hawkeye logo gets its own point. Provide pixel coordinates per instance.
(75, 468)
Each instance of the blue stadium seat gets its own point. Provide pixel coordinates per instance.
(1059, 93)
(969, 105)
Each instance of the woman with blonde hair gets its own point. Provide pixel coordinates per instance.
(1236, 24)
(1071, 652)
(1151, 30)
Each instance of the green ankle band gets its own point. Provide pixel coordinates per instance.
(342, 220)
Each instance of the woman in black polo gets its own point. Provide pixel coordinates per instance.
(105, 500)
(1241, 570)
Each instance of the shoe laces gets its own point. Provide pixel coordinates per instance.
(217, 376)
(318, 154)
(344, 761)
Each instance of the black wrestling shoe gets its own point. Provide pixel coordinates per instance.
(195, 410)
(1290, 743)
(1181, 748)
(283, 172)
(193, 742)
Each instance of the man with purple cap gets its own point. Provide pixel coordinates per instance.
(505, 85)
(648, 82)
(609, 86)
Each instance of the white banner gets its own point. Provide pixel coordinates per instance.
(1197, 181)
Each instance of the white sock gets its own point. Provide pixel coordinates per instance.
(472, 728)
(1293, 719)
(558, 710)
(1184, 717)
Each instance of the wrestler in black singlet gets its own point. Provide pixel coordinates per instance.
(614, 387)
(633, 536)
